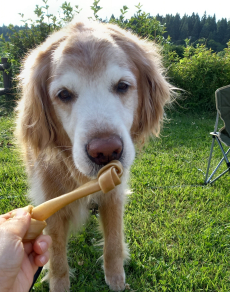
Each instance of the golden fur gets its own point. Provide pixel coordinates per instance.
(48, 148)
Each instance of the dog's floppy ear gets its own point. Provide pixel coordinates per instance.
(35, 127)
(153, 89)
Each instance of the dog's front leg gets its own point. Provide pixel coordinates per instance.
(58, 266)
(111, 215)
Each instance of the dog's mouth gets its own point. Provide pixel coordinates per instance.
(95, 168)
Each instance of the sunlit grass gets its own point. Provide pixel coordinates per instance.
(178, 230)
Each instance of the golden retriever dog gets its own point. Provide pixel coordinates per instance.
(90, 92)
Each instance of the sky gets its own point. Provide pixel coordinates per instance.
(10, 8)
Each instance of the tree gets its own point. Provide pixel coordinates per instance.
(176, 26)
(227, 33)
(222, 27)
(196, 28)
(184, 32)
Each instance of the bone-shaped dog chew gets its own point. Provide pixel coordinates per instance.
(108, 177)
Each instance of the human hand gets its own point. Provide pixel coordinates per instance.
(19, 261)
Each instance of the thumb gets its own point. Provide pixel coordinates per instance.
(18, 225)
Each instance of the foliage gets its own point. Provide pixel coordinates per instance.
(200, 73)
(34, 33)
(5, 31)
(96, 8)
(142, 24)
(1, 55)
(217, 33)
(177, 229)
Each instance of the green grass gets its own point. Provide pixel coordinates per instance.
(178, 230)
(13, 184)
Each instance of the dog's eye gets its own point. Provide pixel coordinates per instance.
(65, 95)
(122, 87)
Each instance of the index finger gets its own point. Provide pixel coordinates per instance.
(4, 217)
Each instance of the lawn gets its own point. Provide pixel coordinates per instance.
(178, 230)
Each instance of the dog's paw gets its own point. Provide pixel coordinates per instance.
(116, 282)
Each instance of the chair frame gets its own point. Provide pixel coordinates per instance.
(215, 136)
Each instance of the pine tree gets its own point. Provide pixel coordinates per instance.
(227, 33)
(222, 27)
(176, 27)
(196, 28)
(184, 32)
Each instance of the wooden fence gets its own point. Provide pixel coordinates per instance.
(7, 76)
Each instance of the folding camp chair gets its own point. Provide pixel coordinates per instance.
(223, 136)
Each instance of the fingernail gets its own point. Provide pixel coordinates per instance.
(43, 246)
(42, 260)
(20, 213)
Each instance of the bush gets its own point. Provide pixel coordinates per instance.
(142, 24)
(200, 73)
(33, 33)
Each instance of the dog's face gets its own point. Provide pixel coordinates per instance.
(95, 97)
(103, 85)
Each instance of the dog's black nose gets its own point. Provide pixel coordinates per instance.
(103, 150)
